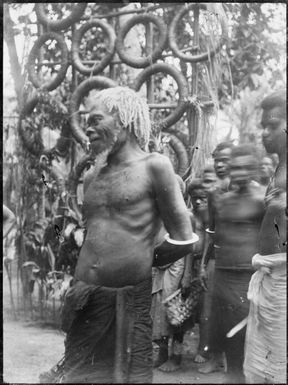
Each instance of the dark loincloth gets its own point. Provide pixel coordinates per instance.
(205, 311)
(89, 319)
(229, 306)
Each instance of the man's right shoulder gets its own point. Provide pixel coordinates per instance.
(156, 157)
(158, 162)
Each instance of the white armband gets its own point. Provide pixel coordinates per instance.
(194, 239)
(209, 231)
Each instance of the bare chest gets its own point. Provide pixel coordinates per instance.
(117, 189)
(241, 209)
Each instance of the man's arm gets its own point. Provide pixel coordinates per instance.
(169, 199)
(273, 232)
(209, 233)
(8, 220)
(208, 241)
(172, 210)
(189, 258)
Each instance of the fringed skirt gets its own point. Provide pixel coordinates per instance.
(89, 319)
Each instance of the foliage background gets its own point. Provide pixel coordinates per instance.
(251, 64)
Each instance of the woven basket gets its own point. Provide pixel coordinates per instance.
(178, 308)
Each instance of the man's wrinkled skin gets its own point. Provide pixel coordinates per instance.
(124, 205)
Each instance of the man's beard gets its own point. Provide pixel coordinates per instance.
(101, 159)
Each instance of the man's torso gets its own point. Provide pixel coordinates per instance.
(122, 221)
(238, 221)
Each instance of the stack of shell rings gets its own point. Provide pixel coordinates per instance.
(96, 68)
(37, 149)
(173, 31)
(83, 163)
(114, 43)
(182, 90)
(155, 54)
(59, 25)
(34, 55)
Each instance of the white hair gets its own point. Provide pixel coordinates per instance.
(132, 109)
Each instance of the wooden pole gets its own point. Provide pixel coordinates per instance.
(149, 48)
(13, 56)
(192, 117)
(8, 266)
(41, 207)
(74, 83)
(112, 69)
(121, 13)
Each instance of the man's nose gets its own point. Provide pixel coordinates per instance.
(89, 131)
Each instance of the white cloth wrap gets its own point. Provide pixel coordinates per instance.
(265, 345)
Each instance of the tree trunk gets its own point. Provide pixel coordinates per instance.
(13, 57)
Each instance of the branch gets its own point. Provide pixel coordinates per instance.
(13, 57)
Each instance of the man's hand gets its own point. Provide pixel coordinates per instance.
(185, 284)
(203, 277)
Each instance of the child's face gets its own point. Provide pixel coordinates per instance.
(199, 200)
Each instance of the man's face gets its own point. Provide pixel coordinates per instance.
(242, 169)
(274, 130)
(221, 162)
(266, 167)
(209, 179)
(199, 200)
(104, 130)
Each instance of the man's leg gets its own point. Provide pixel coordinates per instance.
(162, 355)
(139, 347)
(90, 340)
(203, 352)
(236, 310)
(174, 361)
(216, 334)
(234, 350)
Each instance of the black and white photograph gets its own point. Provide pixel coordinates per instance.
(144, 193)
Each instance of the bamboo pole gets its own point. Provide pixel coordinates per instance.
(112, 70)
(74, 86)
(149, 49)
(192, 116)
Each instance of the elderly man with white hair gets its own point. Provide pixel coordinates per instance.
(106, 313)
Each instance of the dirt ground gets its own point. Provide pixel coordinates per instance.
(29, 349)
